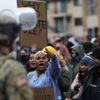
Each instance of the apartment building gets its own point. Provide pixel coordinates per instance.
(78, 17)
(57, 17)
(91, 17)
(65, 17)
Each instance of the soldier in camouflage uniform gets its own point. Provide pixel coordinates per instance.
(13, 82)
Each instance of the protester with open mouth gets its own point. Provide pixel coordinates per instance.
(46, 73)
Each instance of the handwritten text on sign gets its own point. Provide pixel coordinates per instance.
(38, 35)
(42, 22)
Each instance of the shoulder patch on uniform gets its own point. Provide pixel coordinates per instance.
(21, 81)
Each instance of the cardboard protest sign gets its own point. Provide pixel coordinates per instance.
(38, 35)
(43, 93)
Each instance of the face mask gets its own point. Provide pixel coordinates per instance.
(74, 54)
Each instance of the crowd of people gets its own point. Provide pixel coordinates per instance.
(72, 69)
(78, 74)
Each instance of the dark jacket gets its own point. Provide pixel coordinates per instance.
(91, 89)
(64, 83)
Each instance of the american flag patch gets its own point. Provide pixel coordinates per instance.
(21, 81)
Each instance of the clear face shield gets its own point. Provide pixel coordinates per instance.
(27, 18)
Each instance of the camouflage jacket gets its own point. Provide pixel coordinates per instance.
(13, 82)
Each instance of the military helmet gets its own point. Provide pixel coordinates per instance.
(9, 26)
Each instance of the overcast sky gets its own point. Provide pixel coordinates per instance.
(5, 4)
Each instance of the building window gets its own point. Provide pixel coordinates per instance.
(92, 32)
(59, 22)
(96, 31)
(60, 6)
(77, 2)
(91, 6)
(78, 21)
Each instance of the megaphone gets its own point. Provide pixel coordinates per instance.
(27, 17)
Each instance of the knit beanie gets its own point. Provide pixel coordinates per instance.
(88, 59)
